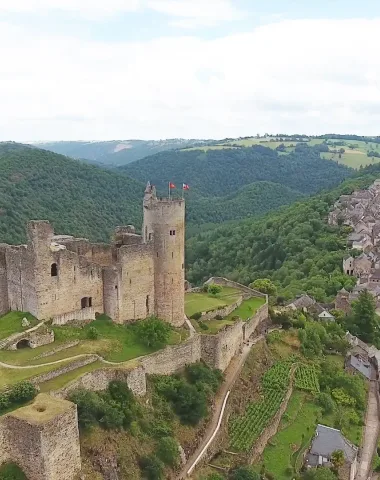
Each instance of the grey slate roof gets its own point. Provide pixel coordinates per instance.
(361, 366)
(327, 440)
(303, 302)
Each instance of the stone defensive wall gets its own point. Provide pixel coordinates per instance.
(43, 439)
(247, 291)
(98, 380)
(45, 377)
(222, 312)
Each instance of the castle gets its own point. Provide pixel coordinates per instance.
(64, 278)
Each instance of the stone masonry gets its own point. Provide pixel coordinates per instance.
(43, 439)
(64, 278)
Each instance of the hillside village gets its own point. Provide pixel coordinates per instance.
(360, 211)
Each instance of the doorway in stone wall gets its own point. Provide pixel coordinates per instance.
(24, 343)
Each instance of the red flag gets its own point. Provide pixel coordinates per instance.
(185, 186)
(171, 185)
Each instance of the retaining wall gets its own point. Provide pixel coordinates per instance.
(248, 292)
(44, 377)
(99, 380)
(223, 312)
(250, 325)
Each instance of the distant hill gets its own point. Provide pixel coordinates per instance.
(224, 171)
(116, 152)
(78, 199)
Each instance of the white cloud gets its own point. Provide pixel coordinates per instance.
(90, 8)
(195, 13)
(293, 76)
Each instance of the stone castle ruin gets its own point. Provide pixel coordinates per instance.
(63, 278)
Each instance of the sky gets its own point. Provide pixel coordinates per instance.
(154, 69)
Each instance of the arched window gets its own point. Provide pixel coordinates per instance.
(54, 270)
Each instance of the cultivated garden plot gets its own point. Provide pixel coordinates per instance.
(245, 429)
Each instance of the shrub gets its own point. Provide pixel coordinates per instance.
(326, 402)
(120, 392)
(200, 374)
(205, 287)
(159, 428)
(152, 467)
(203, 326)
(218, 317)
(214, 289)
(244, 473)
(22, 392)
(196, 315)
(168, 451)
(153, 332)
(93, 333)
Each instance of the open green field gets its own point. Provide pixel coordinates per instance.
(202, 302)
(116, 343)
(10, 323)
(247, 308)
(354, 157)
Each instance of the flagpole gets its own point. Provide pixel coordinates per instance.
(169, 189)
(183, 193)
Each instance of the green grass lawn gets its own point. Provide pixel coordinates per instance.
(11, 471)
(247, 308)
(62, 380)
(116, 343)
(201, 302)
(10, 323)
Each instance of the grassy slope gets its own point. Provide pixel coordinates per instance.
(201, 302)
(11, 323)
(78, 199)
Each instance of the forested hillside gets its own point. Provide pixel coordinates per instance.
(223, 172)
(255, 199)
(78, 199)
(294, 247)
(116, 152)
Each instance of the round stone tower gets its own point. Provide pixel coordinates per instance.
(164, 226)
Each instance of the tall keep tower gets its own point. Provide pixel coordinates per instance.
(164, 225)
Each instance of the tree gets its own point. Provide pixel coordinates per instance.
(168, 451)
(244, 473)
(152, 468)
(214, 289)
(320, 473)
(264, 285)
(337, 458)
(92, 333)
(364, 316)
(153, 332)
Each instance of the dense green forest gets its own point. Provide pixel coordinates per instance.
(78, 199)
(294, 247)
(116, 152)
(255, 199)
(223, 172)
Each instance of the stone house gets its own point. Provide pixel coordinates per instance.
(326, 316)
(356, 363)
(326, 441)
(64, 278)
(342, 301)
(303, 302)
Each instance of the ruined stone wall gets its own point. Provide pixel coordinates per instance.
(218, 350)
(43, 439)
(4, 303)
(223, 312)
(173, 358)
(164, 225)
(44, 377)
(22, 294)
(248, 292)
(76, 278)
(250, 325)
(99, 380)
(35, 338)
(81, 315)
(136, 285)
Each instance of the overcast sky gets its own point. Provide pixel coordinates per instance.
(151, 69)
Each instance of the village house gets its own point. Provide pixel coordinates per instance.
(326, 441)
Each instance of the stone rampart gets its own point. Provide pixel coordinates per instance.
(247, 291)
(43, 439)
(44, 377)
(218, 350)
(173, 358)
(87, 313)
(35, 337)
(250, 325)
(222, 312)
(99, 380)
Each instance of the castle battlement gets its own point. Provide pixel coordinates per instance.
(66, 278)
